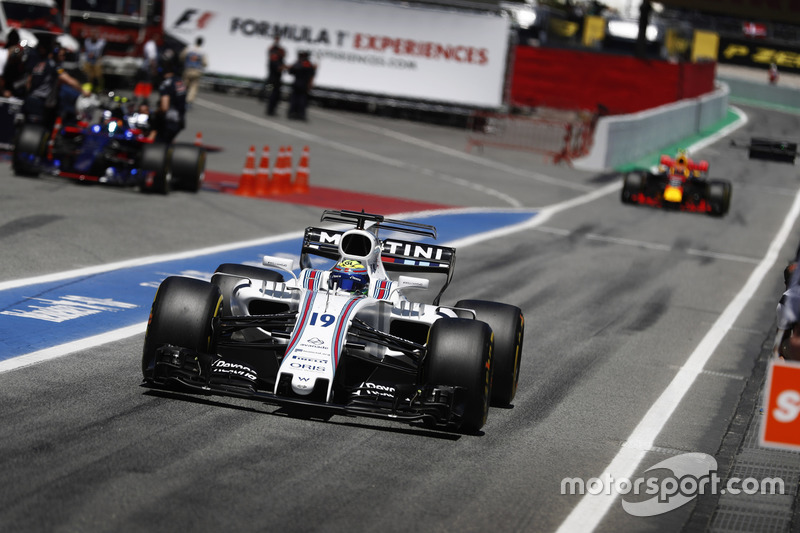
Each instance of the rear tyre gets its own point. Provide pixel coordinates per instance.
(460, 355)
(719, 197)
(508, 326)
(155, 160)
(188, 166)
(633, 184)
(29, 149)
(183, 313)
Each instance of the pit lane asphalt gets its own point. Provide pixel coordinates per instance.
(615, 299)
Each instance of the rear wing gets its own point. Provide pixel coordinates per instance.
(769, 149)
(432, 262)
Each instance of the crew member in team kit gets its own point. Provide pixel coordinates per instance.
(303, 71)
(275, 67)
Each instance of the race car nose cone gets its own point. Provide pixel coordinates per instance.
(673, 194)
(302, 385)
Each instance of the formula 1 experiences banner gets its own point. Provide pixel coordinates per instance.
(385, 49)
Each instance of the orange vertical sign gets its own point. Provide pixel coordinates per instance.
(781, 425)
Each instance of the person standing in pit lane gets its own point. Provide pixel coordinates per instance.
(15, 77)
(41, 102)
(170, 113)
(275, 67)
(303, 71)
(194, 63)
(93, 48)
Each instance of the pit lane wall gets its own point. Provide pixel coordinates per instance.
(391, 49)
(622, 139)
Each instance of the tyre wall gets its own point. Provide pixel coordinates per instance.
(622, 139)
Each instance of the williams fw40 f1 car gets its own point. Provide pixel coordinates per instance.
(348, 339)
(113, 149)
(679, 183)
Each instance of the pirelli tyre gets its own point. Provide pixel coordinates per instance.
(632, 184)
(155, 160)
(188, 166)
(227, 277)
(508, 327)
(182, 314)
(29, 149)
(460, 355)
(719, 197)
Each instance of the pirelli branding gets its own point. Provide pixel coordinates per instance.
(759, 54)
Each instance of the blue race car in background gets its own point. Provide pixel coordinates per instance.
(112, 149)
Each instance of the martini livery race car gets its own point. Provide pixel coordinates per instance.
(113, 150)
(355, 339)
(678, 183)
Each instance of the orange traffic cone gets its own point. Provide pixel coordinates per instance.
(280, 176)
(302, 175)
(198, 139)
(286, 184)
(247, 181)
(262, 176)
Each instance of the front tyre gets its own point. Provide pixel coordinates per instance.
(633, 183)
(155, 161)
(719, 197)
(188, 167)
(182, 315)
(29, 149)
(508, 326)
(460, 355)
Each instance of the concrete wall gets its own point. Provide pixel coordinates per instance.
(621, 139)
(761, 91)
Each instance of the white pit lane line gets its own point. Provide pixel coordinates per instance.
(591, 510)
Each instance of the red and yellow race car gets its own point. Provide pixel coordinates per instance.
(678, 183)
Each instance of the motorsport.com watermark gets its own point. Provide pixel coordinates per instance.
(692, 474)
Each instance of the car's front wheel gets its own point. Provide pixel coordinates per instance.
(182, 315)
(508, 326)
(188, 166)
(460, 355)
(155, 161)
(29, 149)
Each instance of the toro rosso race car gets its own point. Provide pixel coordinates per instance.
(113, 149)
(680, 184)
(349, 339)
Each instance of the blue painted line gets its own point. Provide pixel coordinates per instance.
(42, 315)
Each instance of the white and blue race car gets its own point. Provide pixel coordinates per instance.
(365, 337)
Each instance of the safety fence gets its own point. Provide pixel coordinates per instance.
(561, 139)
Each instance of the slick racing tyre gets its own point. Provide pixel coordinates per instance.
(227, 277)
(155, 160)
(719, 197)
(188, 166)
(508, 327)
(183, 313)
(633, 184)
(29, 150)
(460, 355)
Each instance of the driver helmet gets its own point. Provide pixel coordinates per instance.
(350, 276)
